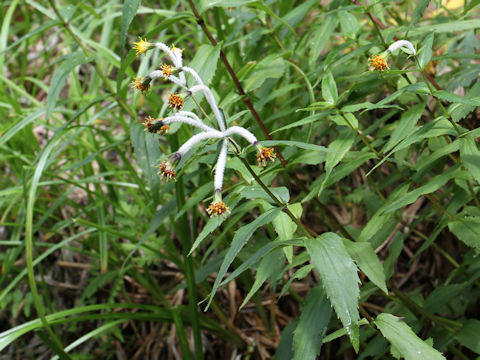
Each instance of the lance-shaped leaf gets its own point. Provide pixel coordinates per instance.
(340, 279)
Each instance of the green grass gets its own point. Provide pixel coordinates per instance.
(375, 184)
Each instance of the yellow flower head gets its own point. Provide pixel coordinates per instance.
(378, 63)
(166, 170)
(175, 101)
(265, 155)
(217, 208)
(141, 85)
(166, 69)
(142, 46)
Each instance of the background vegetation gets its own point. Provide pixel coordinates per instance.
(363, 246)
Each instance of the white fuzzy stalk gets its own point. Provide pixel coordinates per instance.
(194, 74)
(402, 43)
(215, 134)
(159, 74)
(220, 167)
(169, 52)
(238, 130)
(187, 120)
(189, 114)
(211, 100)
(178, 54)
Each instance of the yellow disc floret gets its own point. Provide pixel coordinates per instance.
(166, 170)
(378, 63)
(265, 155)
(140, 85)
(175, 101)
(142, 46)
(166, 69)
(217, 208)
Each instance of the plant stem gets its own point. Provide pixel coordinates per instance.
(185, 238)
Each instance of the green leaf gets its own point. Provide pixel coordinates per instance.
(339, 148)
(284, 226)
(445, 95)
(240, 239)
(270, 266)
(468, 335)
(425, 53)
(263, 251)
(433, 185)
(401, 336)
(339, 278)
(147, 153)
(321, 36)
(284, 349)
(196, 197)
(349, 23)
(60, 77)
(298, 144)
(405, 126)
(470, 156)
(447, 27)
(313, 323)
(205, 62)
(467, 228)
(272, 67)
(329, 88)
(207, 4)
(379, 219)
(257, 192)
(418, 12)
(129, 10)
(367, 261)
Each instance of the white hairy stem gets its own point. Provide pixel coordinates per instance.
(159, 74)
(193, 73)
(169, 52)
(238, 130)
(220, 167)
(402, 43)
(211, 100)
(187, 120)
(215, 134)
(189, 113)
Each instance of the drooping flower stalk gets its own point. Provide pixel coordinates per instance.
(379, 62)
(187, 120)
(220, 167)
(195, 139)
(402, 43)
(211, 101)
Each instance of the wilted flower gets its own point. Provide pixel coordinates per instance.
(152, 125)
(175, 101)
(142, 46)
(166, 170)
(217, 208)
(141, 84)
(377, 62)
(265, 155)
